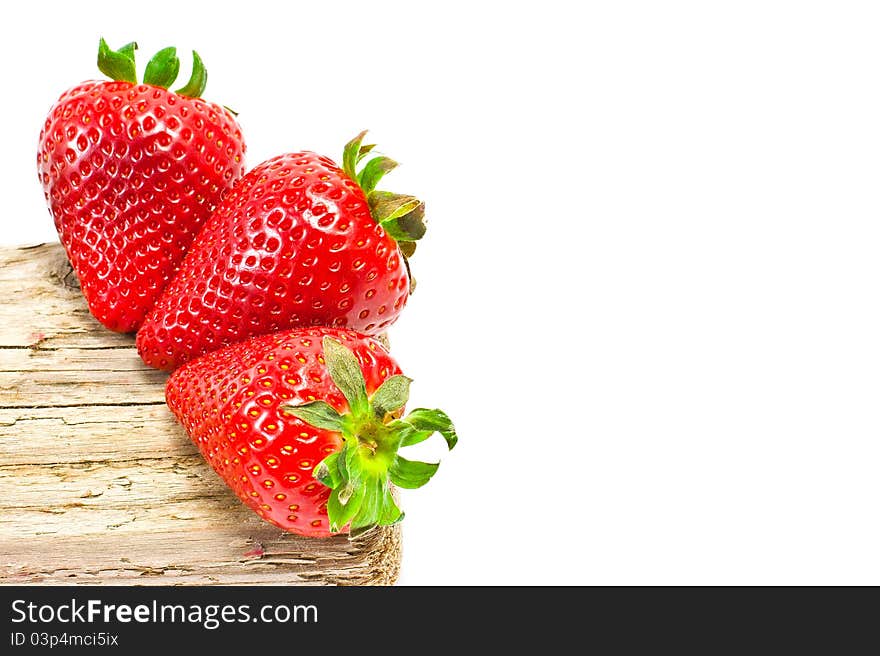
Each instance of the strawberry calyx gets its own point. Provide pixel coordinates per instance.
(118, 64)
(401, 215)
(161, 70)
(361, 474)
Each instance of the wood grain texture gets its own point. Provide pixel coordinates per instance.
(98, 483)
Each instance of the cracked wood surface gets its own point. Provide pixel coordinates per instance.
(98, 483)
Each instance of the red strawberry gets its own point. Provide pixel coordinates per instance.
(131, 171)
(303, 426)
(298, 242)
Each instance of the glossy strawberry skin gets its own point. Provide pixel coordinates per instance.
(130, 173)
(293, 245)
(228, 403)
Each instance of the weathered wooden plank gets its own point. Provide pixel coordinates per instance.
(240, 549)
(138, 483)
(98, 483)
(103, 432)
(65, 388)
(40, 360)
(42, 304)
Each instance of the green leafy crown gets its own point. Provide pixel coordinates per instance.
(361, 473)
(161, 70)
(401, 215)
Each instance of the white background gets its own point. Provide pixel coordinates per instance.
(649, 292)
